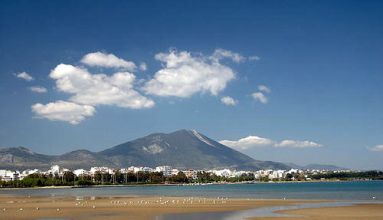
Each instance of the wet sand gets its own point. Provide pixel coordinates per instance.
(18, 207)
(358, 211)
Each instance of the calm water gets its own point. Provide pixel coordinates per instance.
(355, 191)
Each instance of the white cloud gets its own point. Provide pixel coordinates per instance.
(99, 89)
(38, 89)
(254, 58)
(297, 144)
(220, 54)
(377, 148)
(264, 89)
(256, 141)
(107, 60)
(184, 75)
(247, 142)
(227, 100)
(24, 76)
(63, 111)
(259, 96)
(143, 66)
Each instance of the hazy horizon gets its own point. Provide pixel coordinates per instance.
(287, 81)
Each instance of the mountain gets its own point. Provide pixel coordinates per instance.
(316, 167)
(81, 159)
(184, 149)
(23, 158)
(323, 167)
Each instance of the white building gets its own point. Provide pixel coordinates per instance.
(124, 170)
(166, 170)
(262, 173)
(93, 170)
(147, 169)
(292, 171)
(191, 174)
(276, 174)
(9, 175)
(175, 171)
(139, 169)
(80, 172)
(223, 173)
(131, 169)
(55, 169)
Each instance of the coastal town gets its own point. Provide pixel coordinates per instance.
(168, 174)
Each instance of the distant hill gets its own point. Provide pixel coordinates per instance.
(316, 167)
(184, 149)
(23, 158)
(82, 159)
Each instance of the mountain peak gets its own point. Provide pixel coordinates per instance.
(181, 131)
(194, 134)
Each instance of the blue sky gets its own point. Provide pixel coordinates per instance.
(321, 61)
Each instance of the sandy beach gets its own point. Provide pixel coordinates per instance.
(21, 207)
(359, 211)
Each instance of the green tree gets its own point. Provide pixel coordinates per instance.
(68, 177)
(179, 178)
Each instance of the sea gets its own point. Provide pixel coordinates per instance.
(346, 191)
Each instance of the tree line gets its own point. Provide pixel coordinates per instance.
(70, 179)
(99, 178)
(372, 175)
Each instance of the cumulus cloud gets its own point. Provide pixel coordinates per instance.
(377, 148)
(297, 144)
(247, 142)
(63, 111)
(107, 60)
(99, 89)
(24, 75)
(89, 90)
(184, 75)
(264, 89)
(38, 89)
(227, 100)
(259, 96)
(256, 141)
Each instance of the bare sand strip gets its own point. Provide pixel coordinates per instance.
(21, 207)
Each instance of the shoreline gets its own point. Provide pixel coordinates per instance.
(357, 211)
(185, 184)
(150, 207)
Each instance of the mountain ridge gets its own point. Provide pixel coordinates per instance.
(183, 149)
(314, 166)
